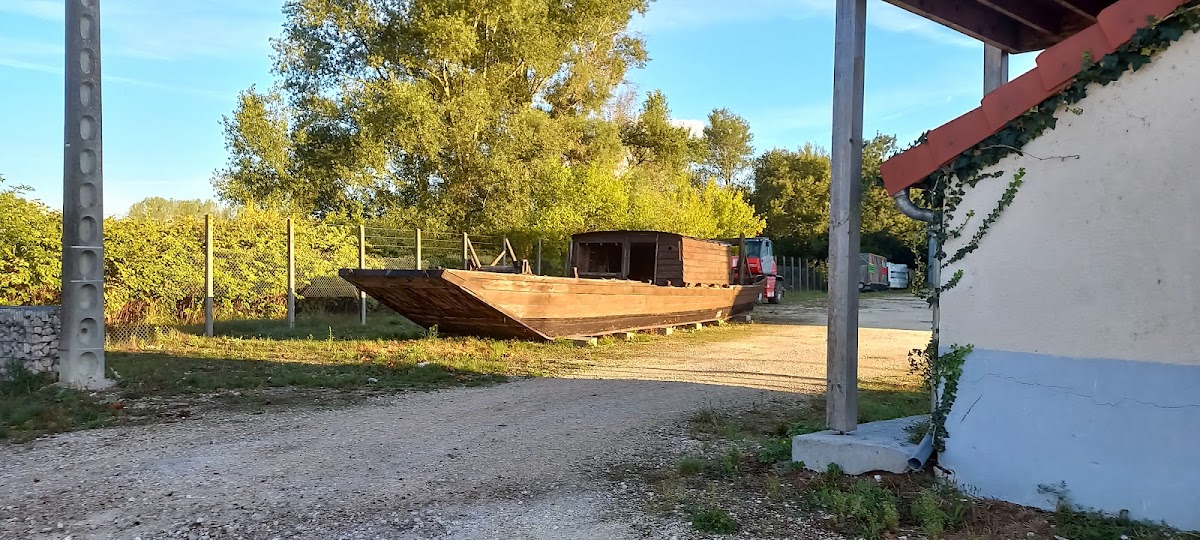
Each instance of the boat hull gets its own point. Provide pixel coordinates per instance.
(512, 306)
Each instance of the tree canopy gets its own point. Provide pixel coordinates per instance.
(468, 115)
(170, 209)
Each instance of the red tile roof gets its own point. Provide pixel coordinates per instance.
(1055, 68)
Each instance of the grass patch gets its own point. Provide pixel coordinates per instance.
(864, 507)
(30, 406)
(714, 520)
(1079, 524)
(691, 466)
(323, 360)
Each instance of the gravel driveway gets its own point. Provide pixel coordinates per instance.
(532, 459)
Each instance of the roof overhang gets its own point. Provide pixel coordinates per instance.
(1015, 26)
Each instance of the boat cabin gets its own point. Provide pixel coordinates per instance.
(659, 258)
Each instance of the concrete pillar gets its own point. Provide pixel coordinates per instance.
(81, 342)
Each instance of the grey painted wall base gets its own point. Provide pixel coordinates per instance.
(874, 446)
(1121, 435)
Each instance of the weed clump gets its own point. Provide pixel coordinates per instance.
(714, 520)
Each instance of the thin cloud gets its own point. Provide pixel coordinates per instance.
(173, 30)
(695, 127)
(108, 79)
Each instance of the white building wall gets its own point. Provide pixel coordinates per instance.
(1083, 306)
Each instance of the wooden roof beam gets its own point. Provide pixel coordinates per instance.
(970, 18)
(1087, 9)
(1040, 17)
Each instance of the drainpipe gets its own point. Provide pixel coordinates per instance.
(906, 206)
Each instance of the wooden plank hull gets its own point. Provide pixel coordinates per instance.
(542, 307)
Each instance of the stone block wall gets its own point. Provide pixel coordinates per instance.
(29, 336)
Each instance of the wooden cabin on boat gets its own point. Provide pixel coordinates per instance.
(658, 258)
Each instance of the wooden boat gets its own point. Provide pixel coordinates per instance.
(626, 280)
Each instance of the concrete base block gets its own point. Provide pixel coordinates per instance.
(744, 319)
(664, 331)
(875, 446)
(582, 341)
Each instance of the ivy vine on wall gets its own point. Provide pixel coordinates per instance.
(946, 187)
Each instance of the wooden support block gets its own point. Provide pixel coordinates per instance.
(697, 326)
(628, 336)
(583, 341)
(665, 331)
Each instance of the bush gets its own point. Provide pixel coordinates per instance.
(714, 520)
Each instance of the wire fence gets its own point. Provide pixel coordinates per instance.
(229, 271)
(800, 274)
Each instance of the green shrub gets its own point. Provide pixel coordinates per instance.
(714, 520)
(691, 466)
(939, 509)
(867, 508)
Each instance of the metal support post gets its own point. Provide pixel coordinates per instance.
(291, 275)
(362, 264)
(418, 249)
(466, 242)
(539, 256)
(82, 336)
(845, 217)
(208, 275)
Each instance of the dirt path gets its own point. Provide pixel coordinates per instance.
(519, 460)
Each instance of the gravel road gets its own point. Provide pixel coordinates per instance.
(532, 459)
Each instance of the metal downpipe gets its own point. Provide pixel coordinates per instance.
(906, 206)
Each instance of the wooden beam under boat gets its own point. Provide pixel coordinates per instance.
(544, 307)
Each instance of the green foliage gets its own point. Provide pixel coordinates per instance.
(938, 509)
(940, 374)
(714, 520)
(728, 143)
(154, 269)
(791, 190)
(485, 116)
(30, 249)
(691, 466)
(168, 209)
(865, 507)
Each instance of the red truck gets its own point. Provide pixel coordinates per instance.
(761, 267)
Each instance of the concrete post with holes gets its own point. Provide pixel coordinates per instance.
(81, 340)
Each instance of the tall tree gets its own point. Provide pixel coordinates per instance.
(456, 106)
(161, 209)
(729, 147)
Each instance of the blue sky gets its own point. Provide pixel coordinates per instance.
(172, 68)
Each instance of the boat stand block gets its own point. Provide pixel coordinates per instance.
(665, 331)
(874, 446)
(746, 319)
(583, 341)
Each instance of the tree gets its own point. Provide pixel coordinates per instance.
(161, 209)
(456, 107)
(791, 190)
(728, 141)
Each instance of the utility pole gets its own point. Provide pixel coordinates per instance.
(81, 336)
